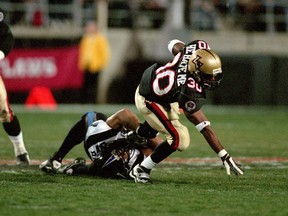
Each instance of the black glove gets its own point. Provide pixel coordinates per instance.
(229, 164)
(136, 140)
(146, 131)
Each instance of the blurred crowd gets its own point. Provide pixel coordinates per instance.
(42, 12)
(249, 15)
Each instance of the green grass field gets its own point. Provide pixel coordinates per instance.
(249, 134)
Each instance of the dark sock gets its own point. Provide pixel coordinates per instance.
(74, 137)
(12, 128)
(162, 151)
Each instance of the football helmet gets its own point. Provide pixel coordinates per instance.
(205, 67)
(117, 157)
(112, 164)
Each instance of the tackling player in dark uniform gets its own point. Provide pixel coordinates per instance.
(179, 83)
(110, 143)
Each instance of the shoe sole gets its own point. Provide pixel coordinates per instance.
(47, 169)
(23, 160)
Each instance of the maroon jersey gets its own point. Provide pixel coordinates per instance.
(172, 82)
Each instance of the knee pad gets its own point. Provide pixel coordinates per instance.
(184, 138)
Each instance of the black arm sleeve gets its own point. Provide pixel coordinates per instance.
(6, 38)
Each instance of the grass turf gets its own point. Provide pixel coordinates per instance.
(176, 189)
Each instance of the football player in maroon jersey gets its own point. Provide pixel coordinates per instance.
(180, 83)
(7, 117)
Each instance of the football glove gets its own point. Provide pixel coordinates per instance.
(229, 164)
(136, 140)
(146, 131)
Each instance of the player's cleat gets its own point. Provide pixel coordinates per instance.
(23, 160)
(50, 166)
(139, 175)
(69, 169)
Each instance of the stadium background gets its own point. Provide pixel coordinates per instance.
(250, 36)
(254, 55)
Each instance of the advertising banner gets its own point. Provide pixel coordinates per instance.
(55, 68)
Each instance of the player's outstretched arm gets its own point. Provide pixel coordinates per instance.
(202, 124)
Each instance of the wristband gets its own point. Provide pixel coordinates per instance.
(172, 43)
(222, 153)
(202, 125)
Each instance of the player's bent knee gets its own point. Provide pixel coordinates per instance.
(5, 116)
(89, 118)
(183, 145)
(184, 138)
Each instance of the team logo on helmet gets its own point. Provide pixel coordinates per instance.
(110, 160)
(190, 106)
(196, 61)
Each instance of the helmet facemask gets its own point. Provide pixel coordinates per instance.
(205, 67)
(210, 82)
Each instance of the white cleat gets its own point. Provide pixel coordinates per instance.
(139, 175)
(49, 166)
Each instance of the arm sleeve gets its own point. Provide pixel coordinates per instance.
(6, 39)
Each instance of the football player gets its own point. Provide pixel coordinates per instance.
(110, 143)
(7, 117)
(180, 83)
